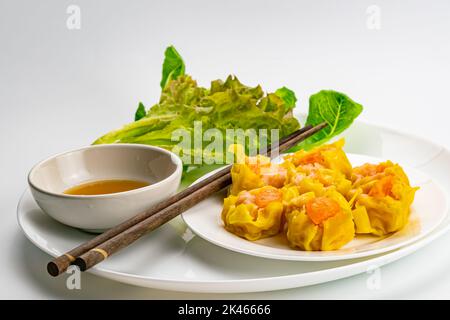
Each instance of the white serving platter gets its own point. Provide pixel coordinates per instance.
(174, 258)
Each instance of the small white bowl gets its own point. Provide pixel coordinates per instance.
(50, 178)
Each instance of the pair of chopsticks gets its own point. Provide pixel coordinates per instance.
(104, 245)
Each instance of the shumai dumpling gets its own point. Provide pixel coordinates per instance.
(330, 156)
(317, 179)
(256, 172)
(317, 223)
(254, 214)
(381, 196)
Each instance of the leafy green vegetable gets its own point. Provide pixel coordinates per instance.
(288, 97)
(225, 105)
(334, 108)
(173, 66)
(140, 112)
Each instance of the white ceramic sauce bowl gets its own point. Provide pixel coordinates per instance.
(50, 178)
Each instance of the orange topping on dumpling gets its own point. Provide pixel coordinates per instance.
(274, 175)
(315, 157)
(366, 169)
(382, 187)
(256, 163)
(369, 169)
(267, 195)
(245, 197)
(321, 208)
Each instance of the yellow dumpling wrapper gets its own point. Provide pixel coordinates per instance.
(330, 156)
(256, 172)
(381, 197)
(290, 193)
(315, 178)
(254, 214)
(303, 231)
(366, 175)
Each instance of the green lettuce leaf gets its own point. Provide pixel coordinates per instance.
(288, 97)
(173, 66)
(225, 105)
(140, 112)
(334, 108)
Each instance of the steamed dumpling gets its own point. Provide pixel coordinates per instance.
(330, 156)
(319, 222)
(381, 196)
(317, 179)
(256, 172)
(254, 214)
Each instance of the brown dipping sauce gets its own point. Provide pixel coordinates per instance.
(105, 187)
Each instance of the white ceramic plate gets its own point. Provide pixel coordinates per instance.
(172, 258)
(427, 212)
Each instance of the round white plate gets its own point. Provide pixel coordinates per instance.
(427, 212)
(173, 258)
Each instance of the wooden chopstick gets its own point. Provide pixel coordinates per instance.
(61, 263)
(128, 236)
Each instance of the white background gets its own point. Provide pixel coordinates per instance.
(60, 89)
